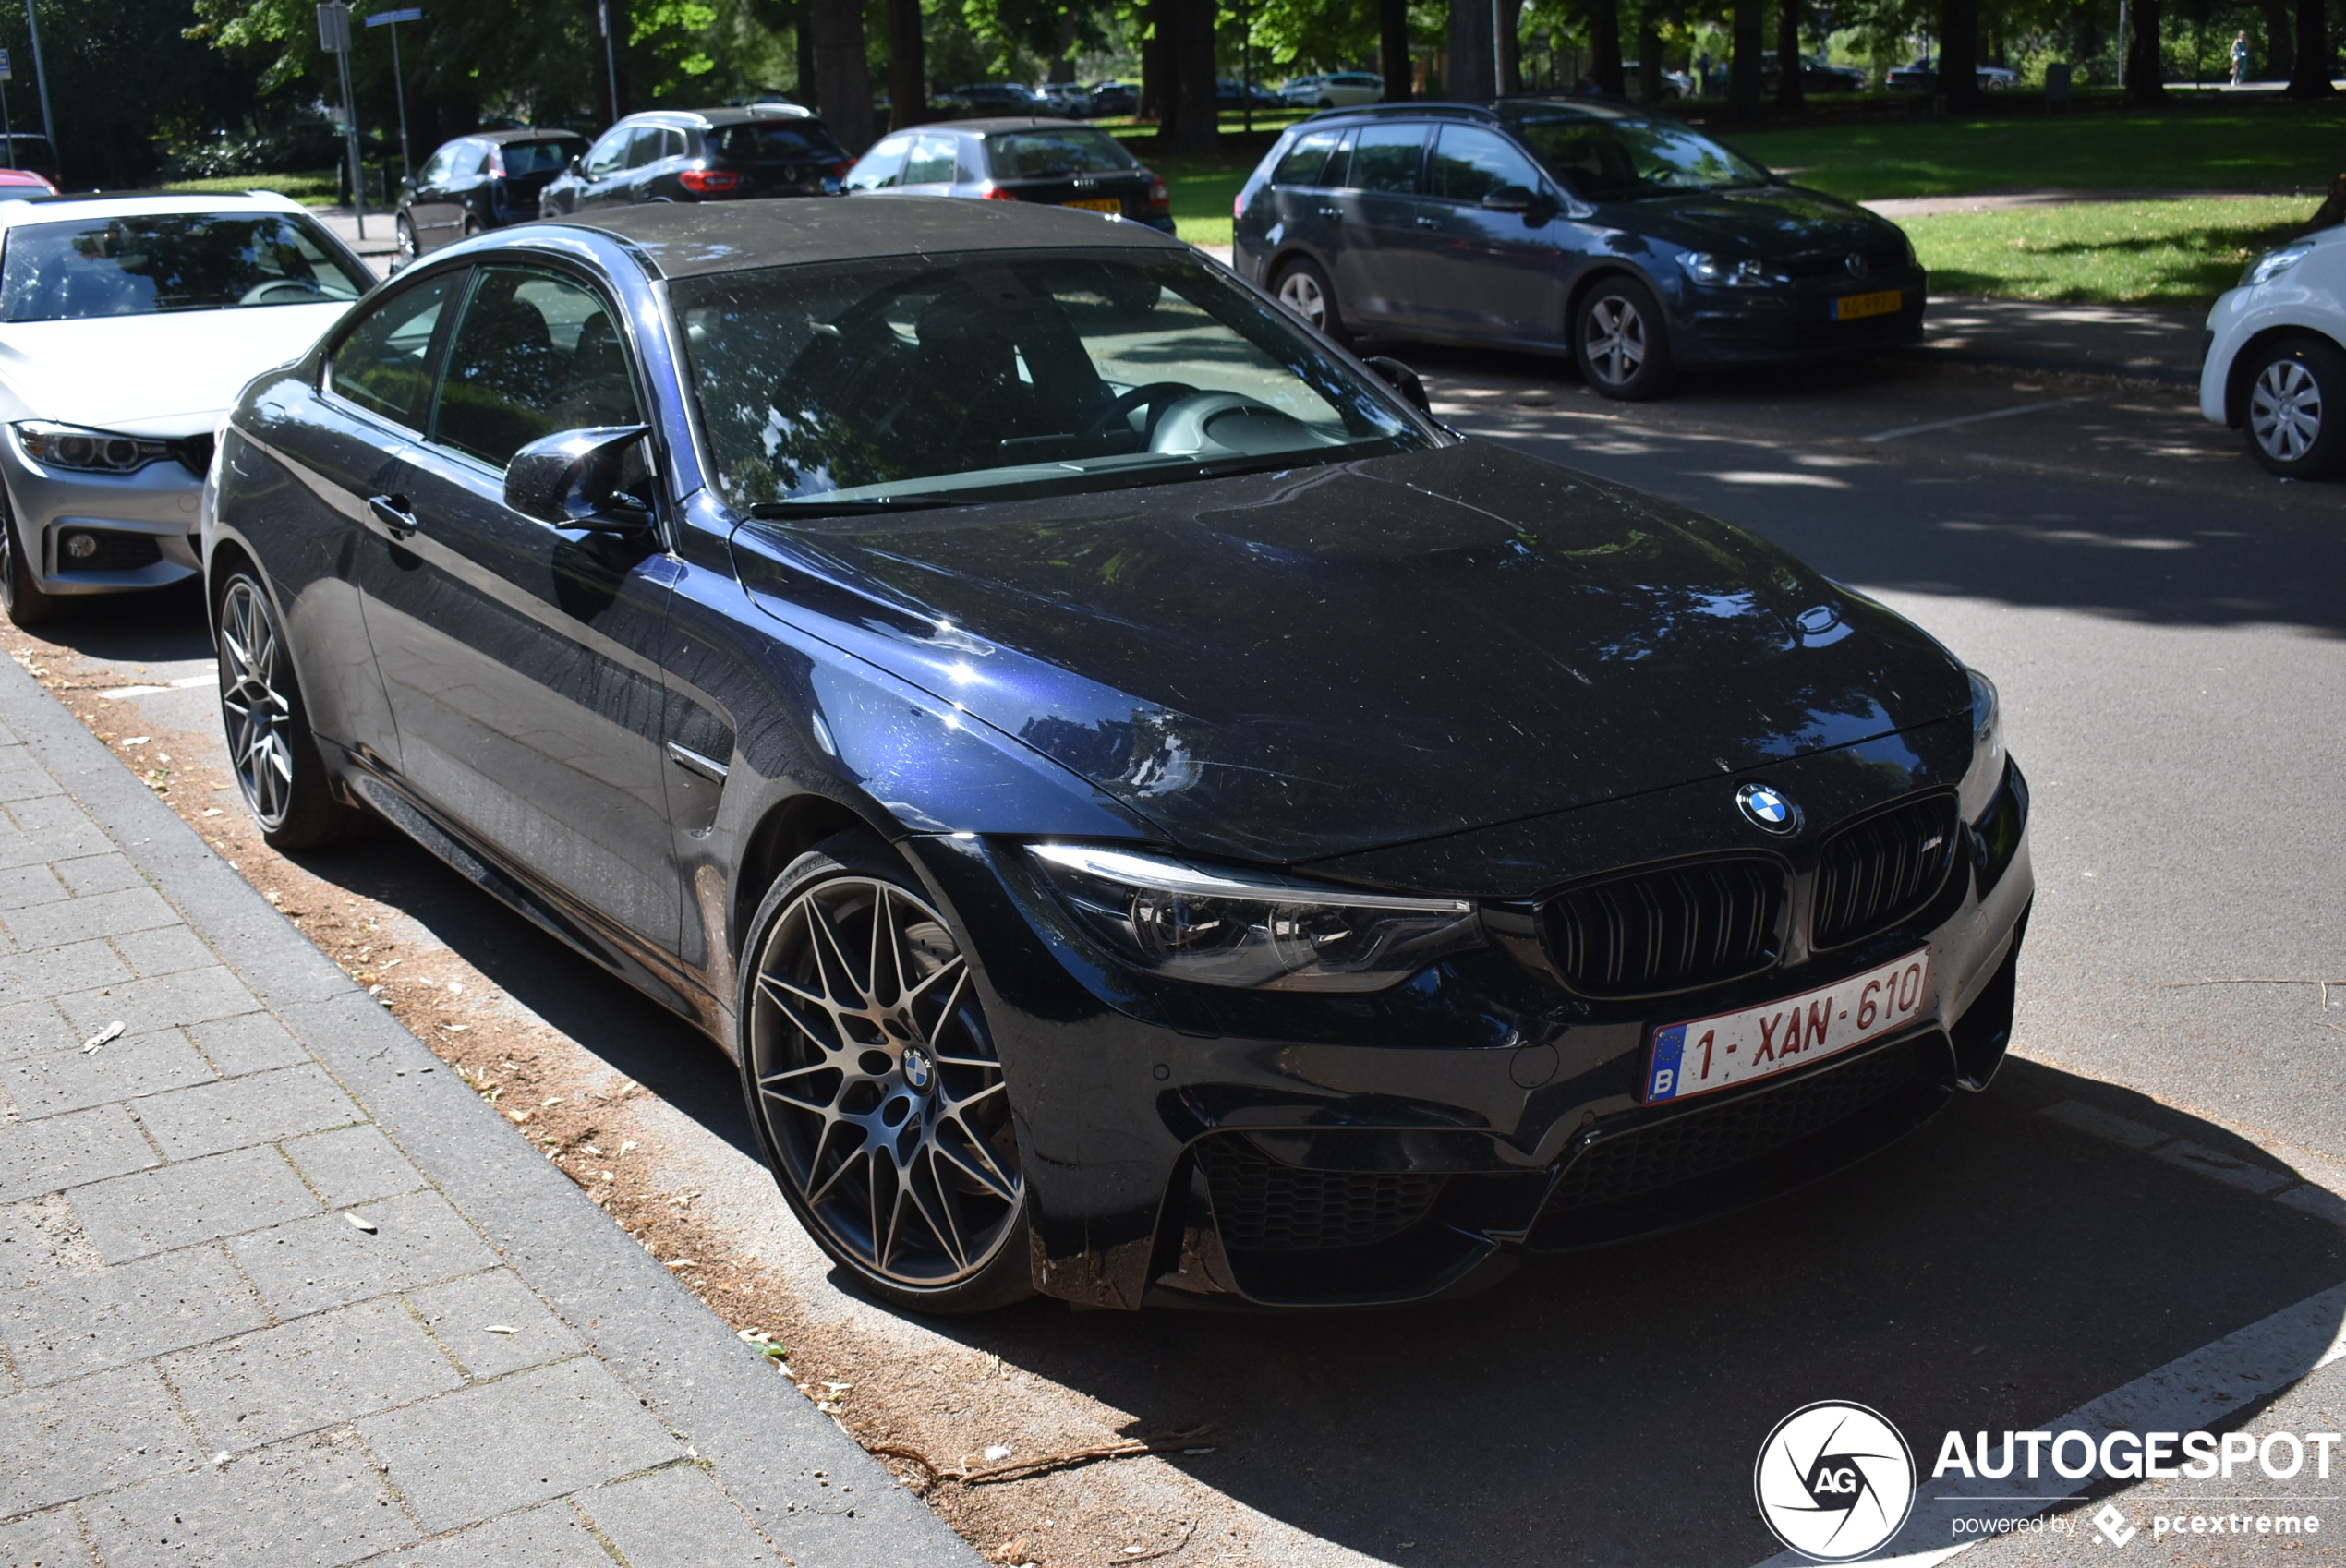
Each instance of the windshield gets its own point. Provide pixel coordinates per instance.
(1026, 155)
(1621, 159)
(538, 157)
(983, 375)
(174, 262)
(773, 141)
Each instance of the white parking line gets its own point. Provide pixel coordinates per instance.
(1966, 419)
(182, 684)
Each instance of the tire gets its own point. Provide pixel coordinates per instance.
(271, 748)
(20, 595)
(877, 1097)
(404, 238)
(1623, 343)
(1303, 288)
(2294, 408)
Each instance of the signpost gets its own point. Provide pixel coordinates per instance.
(7, 132)
(333, 37)
(399, 81)
(611, 58)
(41, 76)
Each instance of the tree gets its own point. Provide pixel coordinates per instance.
(1745, 86)
(842, 71)
(1788, 84)
(1959, 50)
(2146, 70)
(1393, 48)
(907, 66)
(2280, 43)
(1473, 71)
(2311, 79)
(1199, 128)
(1603, 18)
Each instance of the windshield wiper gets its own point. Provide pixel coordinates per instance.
(849, 507)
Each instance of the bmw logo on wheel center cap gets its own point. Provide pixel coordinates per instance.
(917, 1067)
(1768, 809)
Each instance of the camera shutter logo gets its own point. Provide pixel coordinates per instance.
(1834, 1480)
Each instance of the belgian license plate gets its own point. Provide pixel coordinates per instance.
(1718, 1052)
(1097, 204)
(1851, 306)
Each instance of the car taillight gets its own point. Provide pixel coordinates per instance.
(1160, 198)
(496, 164)
(1238, 207)
(996, 193)
(708, 182)
(839, 169)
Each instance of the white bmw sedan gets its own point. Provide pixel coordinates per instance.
(127, 326)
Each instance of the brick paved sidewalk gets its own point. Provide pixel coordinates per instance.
(277, 1288)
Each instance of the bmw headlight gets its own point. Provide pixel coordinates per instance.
(90, 452)
(1720, 272)
(2273, 263)
(1217, 927)
(1987, 773)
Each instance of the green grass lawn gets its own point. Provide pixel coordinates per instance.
(2168, 253)
(2251, 148)
(314, 189)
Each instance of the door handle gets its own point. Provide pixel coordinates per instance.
(393, 514)
(1429, 222)
(1334, 214)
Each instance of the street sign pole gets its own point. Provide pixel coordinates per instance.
(611, 57)
(334, 36)
(8, 131)
(40, 78)
(398, 78)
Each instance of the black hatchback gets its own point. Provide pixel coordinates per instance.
(477, 183)
(1568, 225)
(701, 155)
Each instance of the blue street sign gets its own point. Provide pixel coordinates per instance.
(411, 14)
(6, 72)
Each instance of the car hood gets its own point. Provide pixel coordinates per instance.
(169, 374)
(1287, 665)
(1763, 222)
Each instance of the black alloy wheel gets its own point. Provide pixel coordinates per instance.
(271, 748)
(1303, 288)
(874, 1082)
(404, 234)
(2295, 408)
(20, 596)
(1622, 342)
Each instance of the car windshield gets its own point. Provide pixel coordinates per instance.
(1621, 158)
(1026, 155)
(772, 141)
(142, 265)
(978, 377)
(538, 157)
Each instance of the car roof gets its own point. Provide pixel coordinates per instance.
(15, 210)
(536, 133)
(993, 124)
(712, 119)
(1514, 107)
(689, 239)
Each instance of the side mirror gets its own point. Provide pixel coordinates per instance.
(1510, 199)
(577, 163)
(1402, 379)
(571, 479)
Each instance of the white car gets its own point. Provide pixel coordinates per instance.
(2276, 365)
(128, 327)
(1343, 89)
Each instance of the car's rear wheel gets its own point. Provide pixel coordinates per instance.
(874, 1082)
(1303, 288)
(403, 236)
(2295, 412)
(270, 747)
(20, 595)
(1622, 342)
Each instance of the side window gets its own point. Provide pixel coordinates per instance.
(1386, 157)
(672, 144)
(471, 158)
(882, 166)
(535, 353)
(1338, 174)
(1469, 163)
(435, 170)
(1306, 159)
(932, 160)
(646, 147)
(384, 363)
(606, 153)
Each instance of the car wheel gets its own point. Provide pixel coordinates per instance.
(404, 238)
(1304, 289)
(874, 1086)
(472, 226)
(271, 748)
(20, 595)
(2296, 408)
(1622, 342)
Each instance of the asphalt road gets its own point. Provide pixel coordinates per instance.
(2165, 624)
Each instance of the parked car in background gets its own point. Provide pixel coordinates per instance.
(701, 155)
(1339, 89)
(15, 183)
(2276, 365)
(1675, 84)
(1066, 98)
(1568, 225)
(127, 326)
(972, 99)
(1922, 76)
(1056, 163)
(1115, 98)
(477, 183)
(1816, 75)
(1230, 97)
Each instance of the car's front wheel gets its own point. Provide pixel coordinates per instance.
(270, 747)
(1303, 288)
(1622, 342)
(2296, 408)
(20, 593)
(874, 1082)
(404, 238)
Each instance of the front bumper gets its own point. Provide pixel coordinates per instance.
(1227, 1148)
(1765, 326)
(146, 523)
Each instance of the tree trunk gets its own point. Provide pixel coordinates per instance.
(1788, 93)
(2310, 78)
(1746, 86)
(1158, 99)
(2280, 41)
(843, 76)
(1959, 54)
(1393, 47)
(1471, 72)
(809, 92)
(1604, 45)
(1200, 128)
(1649, 55)
(907, 66)
(2144, 82)
(1511, 47)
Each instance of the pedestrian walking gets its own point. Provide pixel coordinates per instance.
(2240, 59)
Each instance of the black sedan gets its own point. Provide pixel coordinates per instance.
(477, 183)
(1154, 815)
(1055, 162)
(1567, 225)
(701, 155)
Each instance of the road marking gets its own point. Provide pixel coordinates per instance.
(1966, 419)
(184, 684)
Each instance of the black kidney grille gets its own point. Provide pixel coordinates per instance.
(1260, 1205)
(1667, 930)
(1876, 873)
(1699, 1142)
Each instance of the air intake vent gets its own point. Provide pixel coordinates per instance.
(1659, 931)
(1260, 1205)
(1876, 873)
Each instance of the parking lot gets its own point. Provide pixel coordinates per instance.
(2151, 1172)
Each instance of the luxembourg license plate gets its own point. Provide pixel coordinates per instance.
(1097, 204)
(1726, 1049)
(1850, 306)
